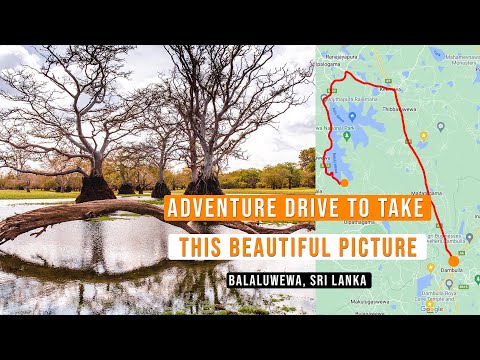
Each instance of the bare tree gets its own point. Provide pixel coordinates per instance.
(187, 150)
(143, 178)
(123, 162)
(223, 94)
(58, 164)
(69, 106)
(164, 136)
(19, 157)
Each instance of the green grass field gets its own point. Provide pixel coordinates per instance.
(35, 194)
(42, 194)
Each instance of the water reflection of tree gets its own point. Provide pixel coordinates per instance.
(81, 289)
(166, 287)
(203, 289)
(93, 244)
(191, 288)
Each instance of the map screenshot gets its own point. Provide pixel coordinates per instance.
(403, 120)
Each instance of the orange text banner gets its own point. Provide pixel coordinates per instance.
(297, 207)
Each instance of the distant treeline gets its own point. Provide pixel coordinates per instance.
(143, 177)
(284, 175)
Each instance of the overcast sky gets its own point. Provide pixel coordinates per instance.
(267, 146)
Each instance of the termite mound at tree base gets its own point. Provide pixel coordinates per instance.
(94, 188)
(59, 189)
(160, 190)
(126, 189)
(209, 186)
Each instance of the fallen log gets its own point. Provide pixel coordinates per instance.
(252, 228)
(41, 218)
(18, 224)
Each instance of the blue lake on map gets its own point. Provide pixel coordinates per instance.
(339, 117)
(362, 75)
(386, 225)
(437, 53)
(477, 78)
(423, 283)
(422, 145)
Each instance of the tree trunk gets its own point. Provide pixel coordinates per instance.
(207, 171)
(97, 164)
(161, 172)
(140, 183)
(193, 157)
(194, 173)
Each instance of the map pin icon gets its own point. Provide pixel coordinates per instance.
(449, 283)
(440, 126)
(469, 237)
(352, 116)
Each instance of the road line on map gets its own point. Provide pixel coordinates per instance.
(474, 236)
(379, 63)
(455, 301)
(454, 296)
(443, 282)
(331, 174)
(476, 47)
(449, 276)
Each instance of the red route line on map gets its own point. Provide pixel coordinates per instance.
(325, 98)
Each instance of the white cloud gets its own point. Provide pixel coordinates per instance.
(145, 62)
(14, 55)
(296, 128)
